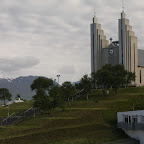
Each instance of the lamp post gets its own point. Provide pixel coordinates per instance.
(58, 78)
(8, 110)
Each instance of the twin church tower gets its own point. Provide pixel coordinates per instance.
(124, 51)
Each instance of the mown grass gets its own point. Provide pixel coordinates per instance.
(15, 108)
(87, 122)
(132, 90)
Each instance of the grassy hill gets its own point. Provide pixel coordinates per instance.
(87, 122)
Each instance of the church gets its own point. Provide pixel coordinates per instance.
(124, 51)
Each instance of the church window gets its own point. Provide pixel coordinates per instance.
(140, 77)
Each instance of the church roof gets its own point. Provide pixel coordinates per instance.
(113, 44)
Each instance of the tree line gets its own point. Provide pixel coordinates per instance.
(49, 96)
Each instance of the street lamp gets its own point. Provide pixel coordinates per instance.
(8, 110)
(58, 78)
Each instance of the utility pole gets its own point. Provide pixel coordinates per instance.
(8, 110)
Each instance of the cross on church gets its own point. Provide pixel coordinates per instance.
(110, 40)
(122, 5)
(94, 12)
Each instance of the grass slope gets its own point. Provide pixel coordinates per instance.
(87, 122)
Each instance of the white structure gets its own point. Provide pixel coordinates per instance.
(132, 122)
(18, 101)
(14, 101)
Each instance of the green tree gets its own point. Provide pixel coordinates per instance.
(68, 90)
(103, 77)
(41, 100)
(5, 94)
(42, 82)
(18, 96)
(56, 95)
(129, 78)
(121, 77)
(112, 77)
(47, 95)
(85, 84)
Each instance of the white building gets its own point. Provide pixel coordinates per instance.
(14, 101)
(132, 122)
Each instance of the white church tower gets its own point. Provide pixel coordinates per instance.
(128, 55)
(98, 41)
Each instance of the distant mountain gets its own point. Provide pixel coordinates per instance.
(20, 85)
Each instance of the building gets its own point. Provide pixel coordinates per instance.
(14, 101)
(124, 51)
(132, 122)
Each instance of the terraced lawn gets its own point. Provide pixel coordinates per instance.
(87, 122)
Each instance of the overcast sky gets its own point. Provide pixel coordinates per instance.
(50, 37)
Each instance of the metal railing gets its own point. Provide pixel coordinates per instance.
(30, 112)
(27, 112)
(9, 120)
(8, 117)
(12, 119)
(131, 126)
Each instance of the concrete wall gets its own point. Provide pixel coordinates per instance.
(136, 134)
(139, 114)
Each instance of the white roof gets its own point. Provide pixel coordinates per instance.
(18, 101)
(137, 112)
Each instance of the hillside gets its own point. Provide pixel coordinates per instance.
(87, 122)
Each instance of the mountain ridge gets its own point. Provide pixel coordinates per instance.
(19, 85)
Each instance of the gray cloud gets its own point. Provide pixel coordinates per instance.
(57, 33)
(69, 69)
(17, 64)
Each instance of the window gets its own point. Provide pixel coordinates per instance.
(134, 119)
(142, 119)
(140, 77)
(126, 119)
(129, 119)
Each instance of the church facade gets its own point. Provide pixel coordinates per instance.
(124, 51)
